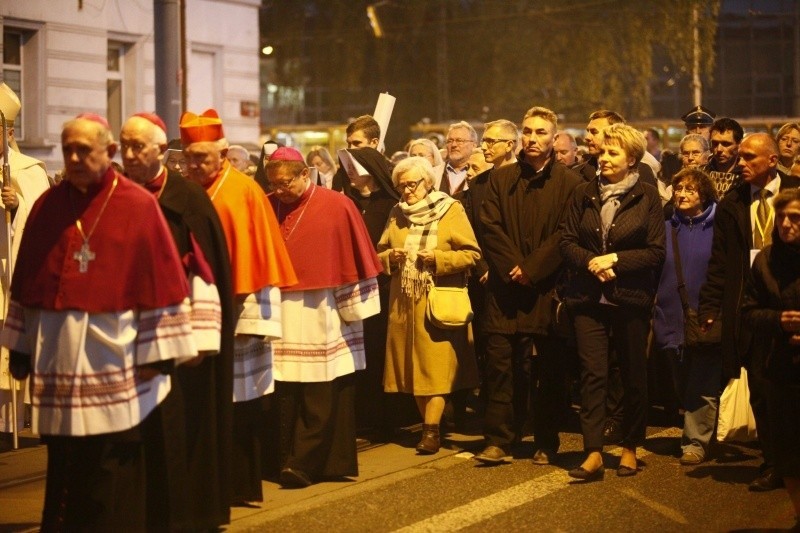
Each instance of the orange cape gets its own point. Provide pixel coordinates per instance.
(258, 253)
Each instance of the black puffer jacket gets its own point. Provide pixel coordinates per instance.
(636, 236)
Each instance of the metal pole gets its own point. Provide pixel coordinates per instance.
(697, 86)
(442, 74)
(169, 74)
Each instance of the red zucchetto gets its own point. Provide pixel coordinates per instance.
(285, 153)
(153, 118)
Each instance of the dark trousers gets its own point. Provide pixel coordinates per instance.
(599, 329)
(521, 388)
(94, 484)
(318, 426)
(759, 386)
(248, 440)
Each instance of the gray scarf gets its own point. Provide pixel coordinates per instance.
(610, 193)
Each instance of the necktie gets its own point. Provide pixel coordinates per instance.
(762, 236)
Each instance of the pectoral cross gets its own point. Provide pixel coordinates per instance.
(83, 256)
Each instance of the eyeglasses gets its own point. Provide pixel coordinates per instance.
(687, 190)
(281, 185)
(693, 154)
(459, 142)
(489, 142)
(408, 186)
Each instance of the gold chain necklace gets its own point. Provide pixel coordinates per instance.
(303, 212)
(161, 190)
(85, 254)
(224, 177)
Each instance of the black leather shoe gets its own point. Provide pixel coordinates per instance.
(585, 475)
(612, 432)
(769, 480)
(291, 478)
(492, 455)
(626, 471)
(543, 457)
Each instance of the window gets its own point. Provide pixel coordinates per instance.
(13, 42)
(115, 74)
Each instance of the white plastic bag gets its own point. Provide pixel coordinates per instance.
(736, 421)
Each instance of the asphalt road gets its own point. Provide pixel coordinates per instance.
(401, 491)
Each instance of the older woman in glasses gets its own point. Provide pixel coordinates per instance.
(427, 240)
(696, 371)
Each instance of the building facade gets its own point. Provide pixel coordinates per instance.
(65, 57)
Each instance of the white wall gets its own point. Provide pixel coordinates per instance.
(69, 62)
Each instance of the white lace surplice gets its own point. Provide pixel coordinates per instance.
(84, 378)
(323, 334)
(258, 325)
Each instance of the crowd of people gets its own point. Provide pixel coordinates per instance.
(191, 322)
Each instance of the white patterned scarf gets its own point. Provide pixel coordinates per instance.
(423, 218)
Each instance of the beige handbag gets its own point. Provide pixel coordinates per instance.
(448, 307)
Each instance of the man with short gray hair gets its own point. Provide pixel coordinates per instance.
(521, 214)
(461, 140)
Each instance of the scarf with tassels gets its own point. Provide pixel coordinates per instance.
(423, 218)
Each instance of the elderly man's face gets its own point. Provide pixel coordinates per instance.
(239, 159)
(141, 156)
(459, 146)
(286, 184)
(566, 151)
(86, 154)
(203, 161)
(475, 165)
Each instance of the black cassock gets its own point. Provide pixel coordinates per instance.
(206, 389)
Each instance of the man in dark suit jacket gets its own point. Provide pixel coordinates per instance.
(521, 214)
(721, 296)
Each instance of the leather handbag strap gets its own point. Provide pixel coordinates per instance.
(679, 271)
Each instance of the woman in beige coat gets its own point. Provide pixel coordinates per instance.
(427, 239)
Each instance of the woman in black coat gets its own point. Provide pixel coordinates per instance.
(613, 241)
(772, 307)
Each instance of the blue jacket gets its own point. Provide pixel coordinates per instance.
(694, 240)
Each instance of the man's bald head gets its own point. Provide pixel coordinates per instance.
(142, 144)
(758, 158)
(88, 147)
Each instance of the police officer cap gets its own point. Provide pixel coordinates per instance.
(699, 116)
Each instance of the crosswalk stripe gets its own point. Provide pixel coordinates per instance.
(484, 508)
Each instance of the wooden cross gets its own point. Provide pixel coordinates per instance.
(83, 257)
